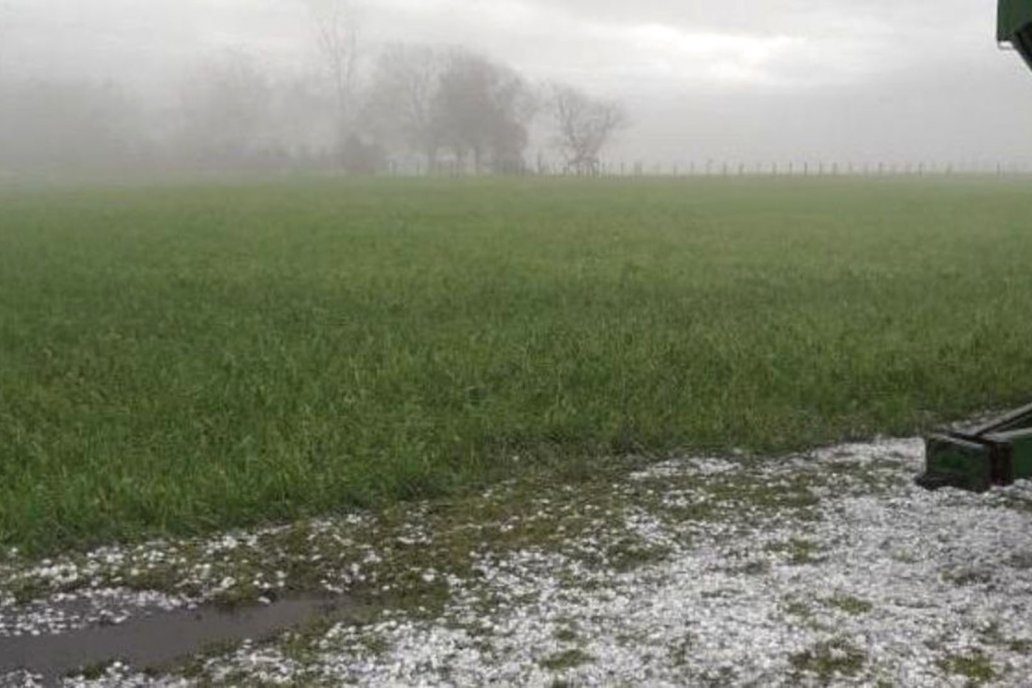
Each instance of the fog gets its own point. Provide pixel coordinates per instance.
(89, 86)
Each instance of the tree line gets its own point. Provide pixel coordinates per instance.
(412, 108)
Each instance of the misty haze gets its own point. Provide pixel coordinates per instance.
(276, 84)
(513, 342)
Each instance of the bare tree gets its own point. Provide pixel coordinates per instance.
(336, 34)
(226, 108)
(484, 109)
(429, 100)
(583, 126)
(400, 107)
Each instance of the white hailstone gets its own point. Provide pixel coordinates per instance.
(896, 576)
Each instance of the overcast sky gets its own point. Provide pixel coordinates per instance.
(735, 80)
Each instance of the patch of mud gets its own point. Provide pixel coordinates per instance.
(151, 641)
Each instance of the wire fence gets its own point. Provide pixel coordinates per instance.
(718, 168)
(712, 168)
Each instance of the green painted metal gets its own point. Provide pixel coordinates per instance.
(1020, 442)
(956, 462)
(999, 452)
(1014, 26)
(1012, 17)
(996, 453)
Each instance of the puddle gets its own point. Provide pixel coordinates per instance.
(158, 639)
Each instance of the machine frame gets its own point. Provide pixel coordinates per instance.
(1000, 452)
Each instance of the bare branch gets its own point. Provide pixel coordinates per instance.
(485, 109)
(336, 36)
(400, 106)
(584, 126)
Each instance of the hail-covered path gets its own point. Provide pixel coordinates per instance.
(827, 567)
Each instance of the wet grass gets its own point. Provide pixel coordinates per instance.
(798, 551)
(566, 659)
(591, 526)
(180, 360)
(829, 660)
(974, 666)
(854, 606)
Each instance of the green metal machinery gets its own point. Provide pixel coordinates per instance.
(1000, 452)
(996, 453)
(1014, 26)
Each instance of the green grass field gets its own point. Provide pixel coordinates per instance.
(182, 359)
